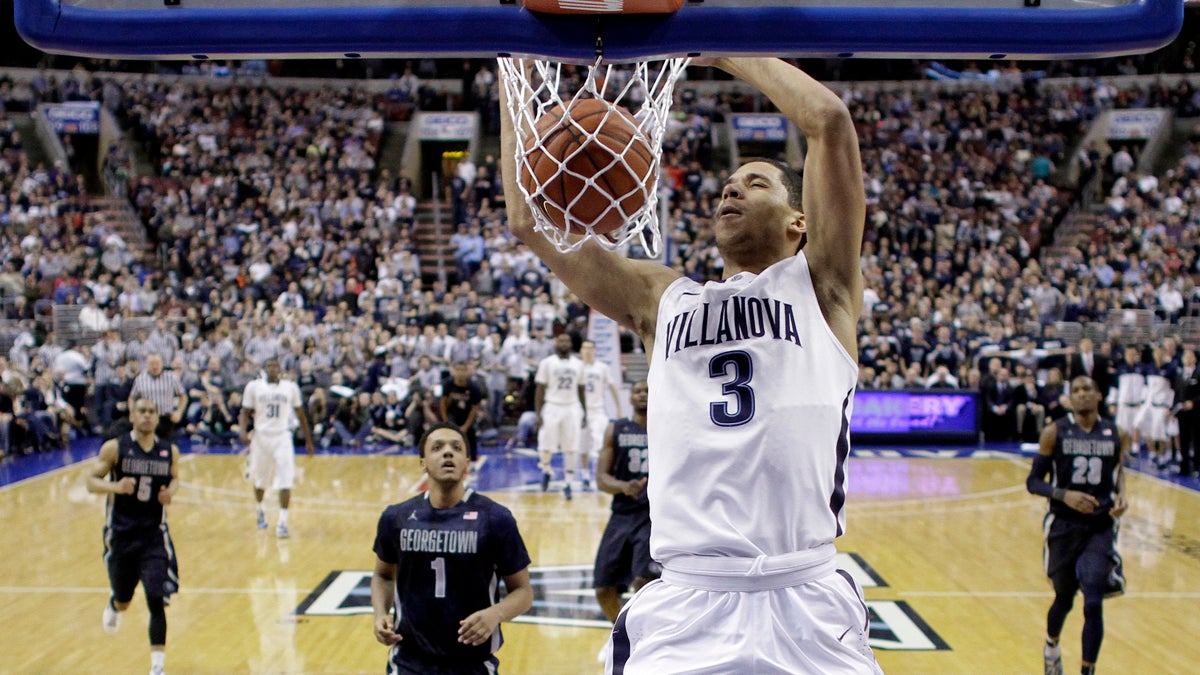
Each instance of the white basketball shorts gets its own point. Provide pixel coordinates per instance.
(272, 454)
(766, 615)
(597, 424)
(561, 427)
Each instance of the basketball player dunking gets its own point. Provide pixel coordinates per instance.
(751, 388)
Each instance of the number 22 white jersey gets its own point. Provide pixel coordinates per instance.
(562, 379)
(272, 404)
(751, 397)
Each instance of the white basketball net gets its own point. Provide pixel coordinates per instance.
(536, 87)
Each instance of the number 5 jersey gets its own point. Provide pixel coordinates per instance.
(139, 512)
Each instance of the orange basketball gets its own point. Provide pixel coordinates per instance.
(560, 157)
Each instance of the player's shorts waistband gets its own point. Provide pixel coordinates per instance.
(266, 435)
(764, 573)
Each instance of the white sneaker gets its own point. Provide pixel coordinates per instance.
(111, 619)
(157, 670)
(282, 532)
(1053, 659)
(262, 520)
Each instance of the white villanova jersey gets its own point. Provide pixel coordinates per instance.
(751, 398)
(562, 379)
(273, 404)
(597, 378)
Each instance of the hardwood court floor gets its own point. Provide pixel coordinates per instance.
(950, 550)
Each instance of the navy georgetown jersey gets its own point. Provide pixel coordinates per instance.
(1086, 462)
(152, 471)
(754, 401)
(629, 463)
(449, 563)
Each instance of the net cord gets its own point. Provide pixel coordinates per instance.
(537, 87)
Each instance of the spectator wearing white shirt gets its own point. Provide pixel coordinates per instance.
(941, 379)
(291, 298)
(92, 317)
(73, 368)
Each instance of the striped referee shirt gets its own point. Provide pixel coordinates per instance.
(162, 389)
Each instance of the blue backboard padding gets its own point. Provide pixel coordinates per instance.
(797, 31)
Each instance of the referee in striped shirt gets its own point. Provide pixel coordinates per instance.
(165, 389)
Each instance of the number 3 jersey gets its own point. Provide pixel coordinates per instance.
(1087, 461)
(750, 402)
(449, 563)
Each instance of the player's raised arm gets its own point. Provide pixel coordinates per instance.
(833, 198)
(625, 290)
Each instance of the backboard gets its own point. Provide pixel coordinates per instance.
(980, 29)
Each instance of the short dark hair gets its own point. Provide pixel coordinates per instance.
(792, 180)
(133, 401)
(429, 432)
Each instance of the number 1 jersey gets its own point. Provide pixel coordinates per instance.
(750, 397)
(449, 563)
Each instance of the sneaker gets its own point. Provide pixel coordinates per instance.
(282, 532)
(567, 491)
(1053, 659)
(157, 670)
(111, 619)
(262, 520)
(585, 485)
(545, 481)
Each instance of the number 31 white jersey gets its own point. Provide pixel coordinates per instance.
(751, 396)
(272, 404)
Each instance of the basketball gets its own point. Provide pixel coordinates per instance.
(596, 141)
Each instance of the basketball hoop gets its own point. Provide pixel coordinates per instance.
(538, 88)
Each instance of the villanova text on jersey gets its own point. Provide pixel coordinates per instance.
(438, 541)
(736, 318)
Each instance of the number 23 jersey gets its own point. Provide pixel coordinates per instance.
(751, 397)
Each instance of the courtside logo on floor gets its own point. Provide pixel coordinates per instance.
(563, 596)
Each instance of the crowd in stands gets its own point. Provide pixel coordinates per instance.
(280, 237)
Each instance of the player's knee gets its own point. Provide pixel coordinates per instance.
(1064, 601)
(155, 603)
(1093, 602)
(158, 619)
